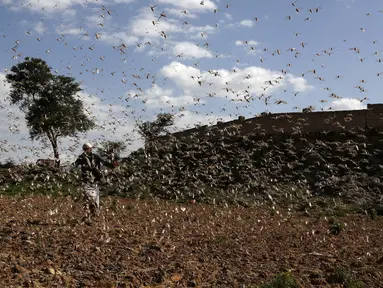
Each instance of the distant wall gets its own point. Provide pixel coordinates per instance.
(374, 116)
(331, 121)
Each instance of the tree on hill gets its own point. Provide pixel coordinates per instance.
(48, 101)
(151, 129)
(111, 150)
(8, 163)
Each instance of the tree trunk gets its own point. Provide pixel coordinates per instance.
(57, 155)
(53, 140)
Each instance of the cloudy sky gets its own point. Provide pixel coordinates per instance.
(201, 60)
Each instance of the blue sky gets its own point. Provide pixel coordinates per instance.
(130, 71)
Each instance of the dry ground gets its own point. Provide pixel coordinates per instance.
(164, 244)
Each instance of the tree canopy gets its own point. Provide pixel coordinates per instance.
(151, 129)
(48, 101)
(111, 150)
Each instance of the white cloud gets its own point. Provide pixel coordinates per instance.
(204, 29)
(68, 14)
(347, 104)
(188, 119)
(246, 42)
(163, 35)
(229, 16)
(96, 21)
(180, 14)
(142, 31)
(57, 6)
(157, 97)
(118, 38)
(192, 5)
(121, 1)
(40, 28)
(170, 101)
(200, 31)
(299, 83)
(250, 46)
(231, 84)
(190, 50)
(142, 26)
(247, 23)
(70, 31)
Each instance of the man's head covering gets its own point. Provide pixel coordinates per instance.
(86, 146)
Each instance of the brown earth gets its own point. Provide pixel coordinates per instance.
(163, 244)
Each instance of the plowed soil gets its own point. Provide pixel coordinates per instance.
(162, 244)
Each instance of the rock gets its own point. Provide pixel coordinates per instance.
(315, 274)
(318, 281)
(192, 283)
(333, 279)
(19, 269)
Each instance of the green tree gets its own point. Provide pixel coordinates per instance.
(111, 150)
(151, 129)
(48, 101)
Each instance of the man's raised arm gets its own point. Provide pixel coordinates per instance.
(109, 164)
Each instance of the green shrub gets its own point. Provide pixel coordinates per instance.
(344, 276)
(282, 280)
(336, 228)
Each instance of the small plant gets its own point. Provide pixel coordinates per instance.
(130, 206)
(372, 214)
(220, 239)
(344, 276)
(113, 205)
(342, 253)
(273, 212)
(336, 227)
(282, 280)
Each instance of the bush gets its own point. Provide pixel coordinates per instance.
(344, 276)
(336, 228)
(283, 280)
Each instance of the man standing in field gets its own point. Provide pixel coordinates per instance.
(90, 164)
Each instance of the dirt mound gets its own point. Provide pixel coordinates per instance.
(344, 165)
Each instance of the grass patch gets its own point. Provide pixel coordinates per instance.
(38, 188)
(344, 276)
(372, 213)
(282, 280)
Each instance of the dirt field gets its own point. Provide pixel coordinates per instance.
(149, 244)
